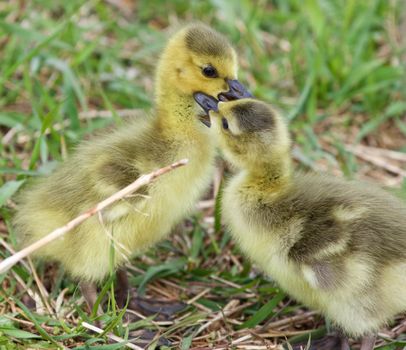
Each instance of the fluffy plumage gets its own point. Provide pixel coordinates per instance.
(338, 246)
(103, 165)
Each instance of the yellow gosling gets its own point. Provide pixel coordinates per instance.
(335, 245)
(195, 59)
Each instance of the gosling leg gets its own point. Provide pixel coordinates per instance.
(345, 345)
(368, 342)
(123, 287)
(89, 291)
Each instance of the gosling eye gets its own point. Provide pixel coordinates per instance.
(225, 123)
(210, 72)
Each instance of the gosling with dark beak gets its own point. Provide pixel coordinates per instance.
(209, 103)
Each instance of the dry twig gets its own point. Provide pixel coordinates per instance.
(59, 232)
(376, 160)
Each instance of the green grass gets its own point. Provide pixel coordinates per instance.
(335, 68)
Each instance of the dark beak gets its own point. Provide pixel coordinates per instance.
(208, 103)
(237, 91)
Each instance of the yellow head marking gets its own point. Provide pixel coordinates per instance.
(188, 54)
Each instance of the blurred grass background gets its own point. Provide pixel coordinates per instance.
(336, 68)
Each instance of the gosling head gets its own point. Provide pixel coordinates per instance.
(251, 133)
(198, 59)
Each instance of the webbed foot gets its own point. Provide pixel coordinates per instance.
(328, 342)
(163, 309)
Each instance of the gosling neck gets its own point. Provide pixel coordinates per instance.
(175, 109)
(274, 174)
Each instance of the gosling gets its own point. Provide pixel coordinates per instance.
(335, 245)
(195, 59)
